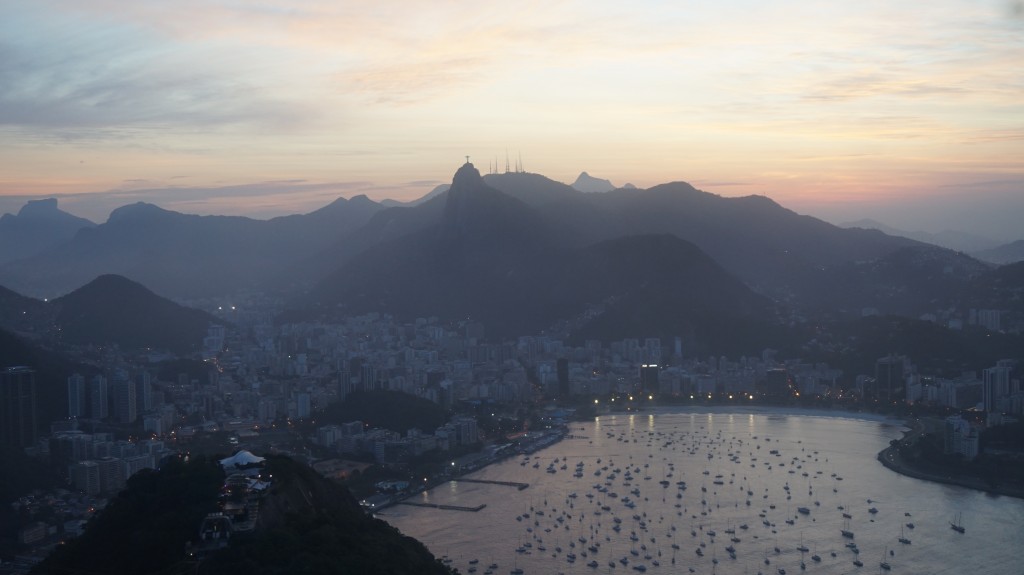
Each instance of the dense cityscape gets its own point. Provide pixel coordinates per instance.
(264, 387)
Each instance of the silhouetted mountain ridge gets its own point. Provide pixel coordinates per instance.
(493, 258)
(950, 239)
(663, 286)
(188, 256)
(1004, 254)
(114, 309)
(909, 281)
(39, 225)
(798, 261)
(589, 184)
(478, 257)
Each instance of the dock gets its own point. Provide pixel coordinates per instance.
(444, 507)
(519, 486)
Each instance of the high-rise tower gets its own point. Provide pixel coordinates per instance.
(18, 426)
(77, 404)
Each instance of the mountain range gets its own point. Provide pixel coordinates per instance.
(982, 248)
(520, 253)
(185, 256)
(39, 225)
(1004, 254)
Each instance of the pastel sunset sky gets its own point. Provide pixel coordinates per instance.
(908, 112)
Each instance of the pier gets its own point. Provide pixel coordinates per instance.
(519, 486)
(444, 507)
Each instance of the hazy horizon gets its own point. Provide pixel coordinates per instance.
(901, 113)
(990, 217)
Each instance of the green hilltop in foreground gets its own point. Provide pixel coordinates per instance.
(306, 525)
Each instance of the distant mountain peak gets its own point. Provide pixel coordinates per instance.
(39, 224)
(114, 309)
(467, 176)
(106, 282)
(136, 210)
(476, 212)
(466, 190)
(37, 207)
(47, 209)
(587, 183)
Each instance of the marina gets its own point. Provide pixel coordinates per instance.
(517, 485)
(473, 509)
(721, 492)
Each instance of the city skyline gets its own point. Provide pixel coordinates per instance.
(907, 116)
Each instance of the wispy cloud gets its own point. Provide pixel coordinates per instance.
(110, 77)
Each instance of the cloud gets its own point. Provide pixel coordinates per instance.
(110, 80)
(413, 81)
(714, 184)
(868, 85)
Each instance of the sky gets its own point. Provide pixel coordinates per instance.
(906, 112)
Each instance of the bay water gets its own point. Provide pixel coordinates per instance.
(716, 490)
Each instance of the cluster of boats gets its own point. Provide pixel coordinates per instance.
(639, 513)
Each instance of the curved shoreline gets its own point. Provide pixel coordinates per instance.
(767, 410)
(890, 458)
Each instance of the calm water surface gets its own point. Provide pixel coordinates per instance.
(613, 502)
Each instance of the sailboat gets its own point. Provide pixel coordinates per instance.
(903, 538)
(846, 530)
(957, 525)
(884, 564)
(802, 548)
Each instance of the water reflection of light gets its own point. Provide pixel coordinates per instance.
(847, 447)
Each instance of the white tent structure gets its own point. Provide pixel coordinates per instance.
(241, 459)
